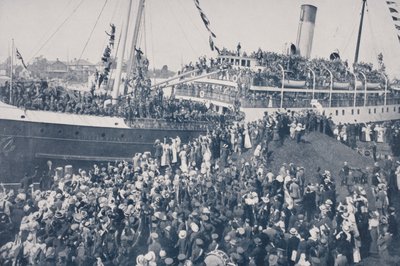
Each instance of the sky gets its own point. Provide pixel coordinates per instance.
(173, 33)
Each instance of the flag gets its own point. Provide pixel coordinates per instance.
(19, 57)
(211, 41)
(393, 10)
(206, 22)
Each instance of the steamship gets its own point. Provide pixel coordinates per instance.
(30, 138)
(352, 97)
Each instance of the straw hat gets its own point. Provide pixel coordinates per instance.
(182, 234)
(195, 228)
(293, 231)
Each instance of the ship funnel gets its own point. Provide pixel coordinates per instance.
(305, 32)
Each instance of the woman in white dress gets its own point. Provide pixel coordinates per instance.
(368, 133)
(183, 157)
(247, 141)
(174, 152)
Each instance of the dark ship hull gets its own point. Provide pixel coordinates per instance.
(30, 139)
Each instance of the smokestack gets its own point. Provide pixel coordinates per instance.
(305, 32)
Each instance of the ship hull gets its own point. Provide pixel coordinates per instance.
(25, 145)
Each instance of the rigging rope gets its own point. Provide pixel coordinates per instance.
(144, 33)
(58, 28)
(191, 20)
(151, 43)
(180, 27)
(372, 32)
(94, 27)
(49, 29)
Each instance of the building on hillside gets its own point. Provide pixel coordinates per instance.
(81, 69)
(57, 69)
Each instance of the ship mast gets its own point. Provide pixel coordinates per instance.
(359, 32)
(120, 59)
(12, 70)
(132, 63)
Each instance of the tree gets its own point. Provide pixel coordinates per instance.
(39, 67)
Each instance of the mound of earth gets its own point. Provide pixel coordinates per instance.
(317, 150)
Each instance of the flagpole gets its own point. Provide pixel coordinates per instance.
(12, 70)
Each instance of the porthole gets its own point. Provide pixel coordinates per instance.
(122, 136)
(76, 133)
(22, 116)
(103, 134)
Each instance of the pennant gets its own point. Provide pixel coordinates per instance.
(206, 22)
(392, 10)
(19, 57)
(390, 2)
(398, 37)
(211, 41)
(397, 27)
(395, 18)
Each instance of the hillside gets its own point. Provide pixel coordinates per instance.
(317, 150)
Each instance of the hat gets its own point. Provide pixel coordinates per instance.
(74, 227)
(199, 242)
(168, 261)
(265, 199)
(240, 250)
(206, 210)
(273, 259)
(59, 215)
(204, 217)
(195, 228)
(293, 231)
(214, 236)
(323, 240)
(182, 234)
(279, 178)
(140, 259)
(154, 235)
(240, 230)
(181, 257)
(257, 241)
(233, 242)
(329, 202)
(227, 238)
(392, 209)
(150, 256)
(300, 217)
(162, 253)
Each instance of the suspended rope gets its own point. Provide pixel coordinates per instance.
(49, 29)
(372, 32)
(144, 32)
(152, 44)
(349, 39)
(191, 20)
(58, 28)
(181, 28)
(94, 27)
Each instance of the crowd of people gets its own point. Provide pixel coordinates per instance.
(204, 202)
(147, 104)
(371, 133)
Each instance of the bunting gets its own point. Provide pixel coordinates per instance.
(206, 22)
(394, 12)
(19, 57)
